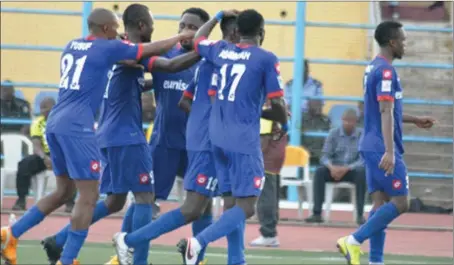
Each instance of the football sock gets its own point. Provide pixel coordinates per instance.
(376, 244)
(126, 226)
(141, 217)
(76, 239)
(235, 245)
(31, 218)
(198, 226)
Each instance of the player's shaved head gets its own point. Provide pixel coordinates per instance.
(103, 23)
(100, 17)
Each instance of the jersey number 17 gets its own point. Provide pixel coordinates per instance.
(236, 71)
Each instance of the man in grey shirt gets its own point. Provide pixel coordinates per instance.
(340, 162)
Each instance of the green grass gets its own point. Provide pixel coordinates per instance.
(30, 252)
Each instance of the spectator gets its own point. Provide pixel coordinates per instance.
(361, 114)
(14, 108)
(148, 112)
(39, 160)
(340, 162)
(312, 87)
(314, 120)
(268, 202)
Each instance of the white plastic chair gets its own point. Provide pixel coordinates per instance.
(329, 193)
(12, 155)
(296, 158)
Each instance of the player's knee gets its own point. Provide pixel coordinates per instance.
(248, 205)
(401, 203)
(191, 212)
(144, 197)
(115, 202)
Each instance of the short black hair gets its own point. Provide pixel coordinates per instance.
(226, 22)
(134, 14)
(202, 14)
(386, 31)
(249, 22)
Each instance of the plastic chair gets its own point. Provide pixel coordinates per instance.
(296, 158)
(336, 112)
(40, 96)
(12, 155)
(329, 193)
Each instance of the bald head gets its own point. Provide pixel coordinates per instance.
(103, 23)
(46, 105)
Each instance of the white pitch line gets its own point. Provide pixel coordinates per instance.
(258, 257)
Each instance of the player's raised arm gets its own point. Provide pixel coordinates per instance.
(174, 65)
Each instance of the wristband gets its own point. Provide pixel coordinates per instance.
(219, 16)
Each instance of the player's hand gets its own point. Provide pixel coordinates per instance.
(387, 163)
(48, 162)
(186, 35)
(424, 122)
(230, 13)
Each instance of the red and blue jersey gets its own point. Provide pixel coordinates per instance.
(381, 82)
(169, 126)
(120, 120)
(202, 86)
(84, 65)
(247, 75)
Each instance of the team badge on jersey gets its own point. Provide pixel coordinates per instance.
(387, 74)
(95, 167)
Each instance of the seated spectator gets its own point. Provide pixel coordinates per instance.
(13, 108)
(38, 161)
(312, 87)
(314, 120)
(361, 114)
(340, 162)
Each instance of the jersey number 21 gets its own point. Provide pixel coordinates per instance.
(235, 71)
(66, 65)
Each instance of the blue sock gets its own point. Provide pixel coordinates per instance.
(100, 212)
(197, 227)
(76, 239)
(31, 218)
(235, 246)
(226, 224)
(126, 226)
(376, 244)
(141, 217)
(164, 224)
(378, 222)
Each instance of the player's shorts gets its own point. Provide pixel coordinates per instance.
(393, 185)
(75, 157)
(126, 168)
(240, 174)
(201, 174)
(167, 164)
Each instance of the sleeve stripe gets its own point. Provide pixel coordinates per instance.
(211, 92)
(188, 94)
(196, 43)
(276, 94)
(385, 98)
(139, 51)
(151, 62)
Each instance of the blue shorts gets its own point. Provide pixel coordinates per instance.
(167, 164)
(77, 158)
(240, 174)
(126, 168)
(393, 185)
(201, 174)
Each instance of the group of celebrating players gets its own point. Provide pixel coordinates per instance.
(223, 86)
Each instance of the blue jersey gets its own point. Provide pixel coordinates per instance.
(205, 80)
(84, 66)
(120, 121)
(169, 126)
(381, 83)
(248, 74)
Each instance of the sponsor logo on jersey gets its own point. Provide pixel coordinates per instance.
(175, 85)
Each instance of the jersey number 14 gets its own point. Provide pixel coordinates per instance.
(66, 64)
(231, 70)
